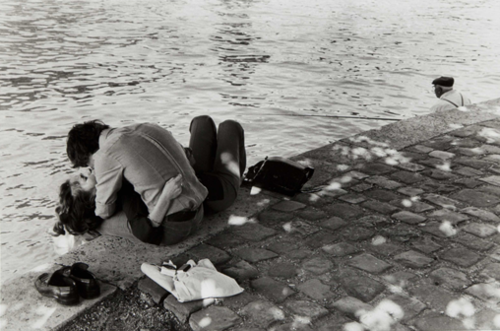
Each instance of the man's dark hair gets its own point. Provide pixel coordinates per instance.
(83, 141)
(76, 211)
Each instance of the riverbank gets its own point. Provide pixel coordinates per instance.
(320, 259)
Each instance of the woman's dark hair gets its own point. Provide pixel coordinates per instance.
(83, 141)
(76, 210)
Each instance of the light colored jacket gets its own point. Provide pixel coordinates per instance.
(147, 156)
(450, 100)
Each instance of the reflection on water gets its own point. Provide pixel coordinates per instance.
(62, 62)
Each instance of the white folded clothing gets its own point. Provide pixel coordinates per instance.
(201, 281)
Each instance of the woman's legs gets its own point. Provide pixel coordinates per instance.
(221, 171)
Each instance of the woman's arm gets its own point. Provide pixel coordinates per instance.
(171, 190)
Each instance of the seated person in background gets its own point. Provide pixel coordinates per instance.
(219, 163)
(449, 98)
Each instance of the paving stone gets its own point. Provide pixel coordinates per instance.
(447, 215)
(237, 302)
(434, 163)
(489, 292)
(351, 306)
(333, 223)
(381, 207)
(306, 309)
(413, 259)
(312, 214)
(439, 322)
(473, 163)
(254, 255)
(409, 166)
(440, 143)
(490, 149)
(410, 191)
(495, 180)
(299, 228)
(461, 256)
(383, 182)
(310, 199)
(494, 158)
(469, 151)
(469, 143)
(410, 306)
(472, 242)
(363, 288)
(281, 247)
(491, 270)
(288, 206)
(226, 239)
(295, 325)
(490, 189)
(298, 254)
(407, 177)
(449, 278)
(414, 206)
(439, 174)
(468, 182)
(253, 231)
(440, 229)
(480, 230)
(437, 187)
(320, 239)
(315, 289)
(283, 270)
(408, 217)
(401, 232)
(400, 278)
(318, 265)
(381, 195)
(476, 198)
(215, 255)
(183, 310)
(442, 155)
(369, 263)
(487, 319)
(334, 322)
(241, 270)
(376, 168)
(214, 318)
(157, 293)
(263, 313)
(352, 198)
(441, 200)
(273, 290)
(343, 210)
(426, 245)
(361, 187)
(273, 217)
(467, 171)
(435, 297)
(374, 221)
(385, 249)
(340, 249)
(495, 254)
(466, 131)
(358, 233)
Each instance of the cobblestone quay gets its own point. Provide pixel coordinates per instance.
(402, 235)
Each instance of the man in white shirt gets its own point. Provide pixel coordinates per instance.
(448, 97)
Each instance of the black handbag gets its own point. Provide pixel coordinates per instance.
(279, 175)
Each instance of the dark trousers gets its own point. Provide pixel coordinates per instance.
(220, 159)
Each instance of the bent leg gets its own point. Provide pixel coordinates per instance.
(203, 143)
(230, 163)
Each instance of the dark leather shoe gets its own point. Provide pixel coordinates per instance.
(63, 289)
(87, 284)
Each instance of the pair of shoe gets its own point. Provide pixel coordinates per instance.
(68, 284)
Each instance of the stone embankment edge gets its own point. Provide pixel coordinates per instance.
(117, 261)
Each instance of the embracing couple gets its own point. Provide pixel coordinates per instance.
(138, 182)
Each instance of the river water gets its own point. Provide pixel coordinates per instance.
(256, 61)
